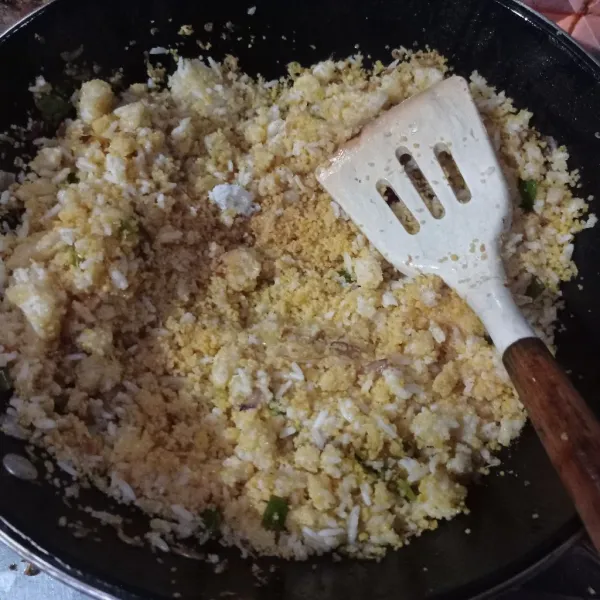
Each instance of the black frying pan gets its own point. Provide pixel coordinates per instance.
(517, 51)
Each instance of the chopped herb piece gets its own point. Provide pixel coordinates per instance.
(275, 514)
(5, 382)
(528, 191)
(276, 410)
(75, 257)
(72, 178)
(129, 228)
(211, 518)
(346, 276)
(54, 108)
(535, 288)
(406, 490)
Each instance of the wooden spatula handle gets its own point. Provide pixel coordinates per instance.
(566, 426)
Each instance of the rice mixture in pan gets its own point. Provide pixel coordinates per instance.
(190, 323)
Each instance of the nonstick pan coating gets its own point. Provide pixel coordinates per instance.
(516, 51)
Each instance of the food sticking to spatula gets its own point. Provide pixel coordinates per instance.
(423, 183)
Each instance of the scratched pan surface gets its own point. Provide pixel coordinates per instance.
(515, 50)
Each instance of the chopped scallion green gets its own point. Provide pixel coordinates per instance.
(406, 490)
(5, 382)
(528, 191)
(346, 276)
(75, 257)
(129, 228)
(211, 517)
(275, 514)
(54, 108)
(276, 410)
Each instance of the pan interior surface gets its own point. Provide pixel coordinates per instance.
(520, 513)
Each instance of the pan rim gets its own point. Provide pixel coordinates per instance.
(56, 568)
(8, 537)
(23, 21)
(527, 567)
(540, 20)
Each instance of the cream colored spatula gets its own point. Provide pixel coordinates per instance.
(373, 178)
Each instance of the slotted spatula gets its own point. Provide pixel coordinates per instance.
(462, 247)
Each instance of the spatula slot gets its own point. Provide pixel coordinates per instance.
(420, 183)
(453, 174)
(406, 218)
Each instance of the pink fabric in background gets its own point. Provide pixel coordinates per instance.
(580, 18)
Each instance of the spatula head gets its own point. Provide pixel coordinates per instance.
(460, 242)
